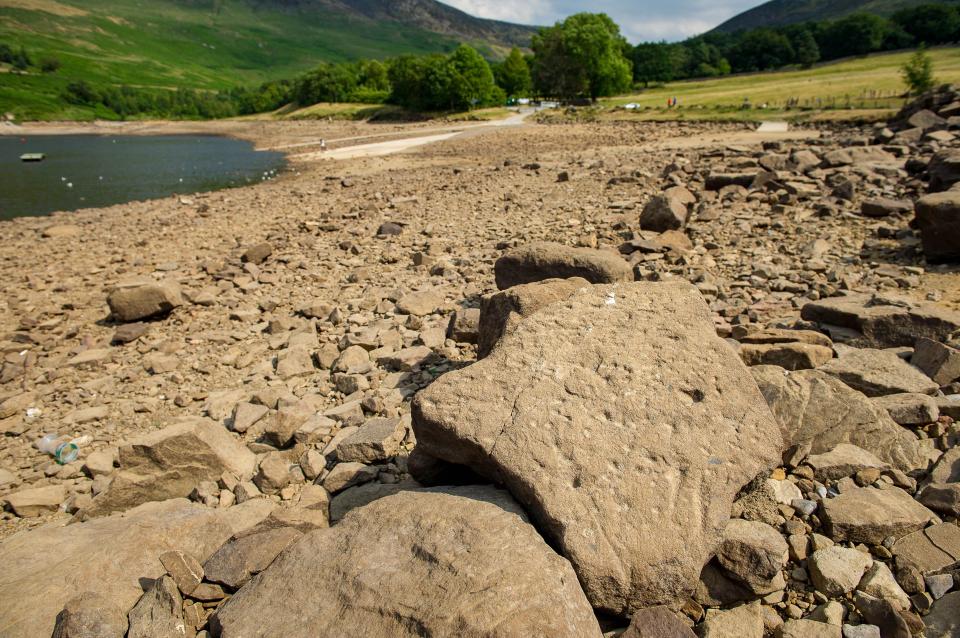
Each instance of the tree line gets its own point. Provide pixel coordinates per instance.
(803, 44)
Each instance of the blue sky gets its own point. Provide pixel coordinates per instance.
(640, 20)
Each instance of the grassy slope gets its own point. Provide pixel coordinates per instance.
(868, 84)
(163, 44)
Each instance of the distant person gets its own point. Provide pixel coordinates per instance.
(323, 145)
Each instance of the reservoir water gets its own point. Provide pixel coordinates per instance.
(83, 171)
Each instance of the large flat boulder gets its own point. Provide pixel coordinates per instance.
(622, 423)
(931, 550)
(859, 156)
(878, 373)
(445, 562)
(108, 557)
(818, 409)
(547, 260)
(868, 515)
(501, 312)
(169, 463)
(143, 299)
(885, 321)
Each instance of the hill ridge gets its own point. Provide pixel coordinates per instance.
(778, 13)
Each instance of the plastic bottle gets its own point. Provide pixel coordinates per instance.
(61, 449)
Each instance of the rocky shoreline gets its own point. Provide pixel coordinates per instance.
(569, 379)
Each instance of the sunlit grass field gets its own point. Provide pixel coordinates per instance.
(868, 88)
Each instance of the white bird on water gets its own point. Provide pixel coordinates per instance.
(69, 184)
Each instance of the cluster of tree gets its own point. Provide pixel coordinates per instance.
(126, 101)
(461, 80)
(20, 60)
(801, 44)
(364, 81)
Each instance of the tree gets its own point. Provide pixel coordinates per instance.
(704, 59)
(656, 62)
(805, 49)
(21, 60)
(326, 83)
(930, 23)
(857, 34)
(762, 49)
(80, 93)
(513, 75)
(407, 76)
(49, 65)
(461, 80)
(581, 57)
(918, 72)
(372, 74)
(470, 79)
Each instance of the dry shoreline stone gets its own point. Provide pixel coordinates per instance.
(884, 321)
(451, 561)
(547, 260)
(143, 299)
(868, 515)
(169, 463)
(817, 409)
(108, 557)
(688, 430)
(501, 312)
(878, 373)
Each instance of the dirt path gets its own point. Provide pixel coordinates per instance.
(513, 120)
(389, 147)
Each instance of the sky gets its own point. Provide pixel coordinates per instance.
(639, 20)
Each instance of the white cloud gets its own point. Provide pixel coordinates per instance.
(523, 12)
(639, 20)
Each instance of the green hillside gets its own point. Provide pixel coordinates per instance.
(778, 13)
(215, 44)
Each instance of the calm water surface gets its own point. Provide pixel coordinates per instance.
(83, 171)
